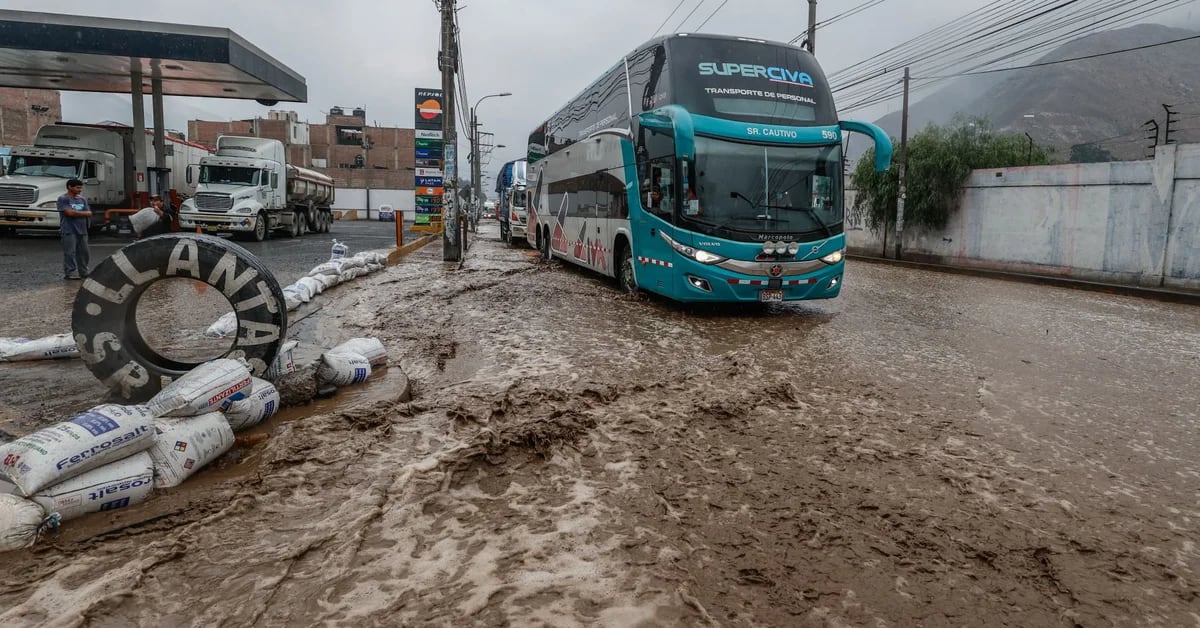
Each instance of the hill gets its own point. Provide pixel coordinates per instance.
(1081, 101)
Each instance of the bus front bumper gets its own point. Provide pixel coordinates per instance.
(701, 282)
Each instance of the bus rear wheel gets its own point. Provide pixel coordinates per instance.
(625, 279)
(544, 245)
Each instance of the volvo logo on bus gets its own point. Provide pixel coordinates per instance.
(776, 270)
(748, 70)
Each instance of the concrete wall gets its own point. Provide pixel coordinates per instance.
(355, 199)
(1134, 223)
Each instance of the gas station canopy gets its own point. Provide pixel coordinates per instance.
(88, 54)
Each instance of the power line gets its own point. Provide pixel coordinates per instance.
(668, 18)
(1085, 57)
(1067, 25)
(718, 9)
(689, 16)
(840, 16)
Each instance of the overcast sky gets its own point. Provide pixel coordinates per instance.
(373, 53)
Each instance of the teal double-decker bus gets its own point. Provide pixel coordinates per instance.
(700, 168)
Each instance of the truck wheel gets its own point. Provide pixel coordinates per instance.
(328, 221)
(104, 317)
(260, 227)
(301, 223)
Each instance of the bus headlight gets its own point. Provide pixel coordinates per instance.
(700, 255)
(793, 248)
(834, 257)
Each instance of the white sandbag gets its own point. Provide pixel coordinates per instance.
(65, 450)
(8, 488)
(303, 290)
(48, 348)
(292, 298)
(224, 327)
(333, 268)
(343, 369)
(258, 406)
(353, 262)
(119, 484)
(10, 344)
(348, 275)
(143, 220)
(184, 446)
(328, 281)
(370, 348)
(21, 521)
(203, 389)
(374, 267)
(313, 286)
(285, 362)
(339, 250)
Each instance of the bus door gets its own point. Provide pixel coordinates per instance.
(653, 258)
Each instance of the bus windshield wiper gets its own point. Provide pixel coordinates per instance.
(811, 212)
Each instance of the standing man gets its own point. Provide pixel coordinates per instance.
(74, 215)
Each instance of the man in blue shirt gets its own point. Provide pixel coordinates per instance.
(74, 214)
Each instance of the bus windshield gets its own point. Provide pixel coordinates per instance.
(45, 166)
(230, 175)
(739, 188)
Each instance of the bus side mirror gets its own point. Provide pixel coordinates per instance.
(883, 143)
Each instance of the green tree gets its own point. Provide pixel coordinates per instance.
(1090, 154)
(939, 161)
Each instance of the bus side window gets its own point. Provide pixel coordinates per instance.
(658, 181)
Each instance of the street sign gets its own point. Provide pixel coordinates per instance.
(428, 134)
(429, 172)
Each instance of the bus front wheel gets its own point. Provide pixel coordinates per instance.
(625, 279)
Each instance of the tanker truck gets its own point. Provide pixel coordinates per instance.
(99, 155)
(247, 188)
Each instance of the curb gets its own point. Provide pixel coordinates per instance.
(1158, 294)
(396, 254)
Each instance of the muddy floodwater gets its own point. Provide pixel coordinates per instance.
(926, 450)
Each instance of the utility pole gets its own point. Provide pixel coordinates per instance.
(452, 249)
(476, 186)
(903, 170)
(1168, 135)
(1029, 151)
(812, 26)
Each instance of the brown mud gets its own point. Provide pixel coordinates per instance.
(924, 451)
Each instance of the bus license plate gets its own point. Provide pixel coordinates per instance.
(770, 296)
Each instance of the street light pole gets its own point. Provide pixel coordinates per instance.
(475, 167)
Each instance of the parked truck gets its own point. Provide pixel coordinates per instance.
(510, 209)
(99, 155)
(249, 189)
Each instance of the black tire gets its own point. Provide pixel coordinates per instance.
(544, 244)
(260, 228)
(326, 222)
(626, 280)
(104, 318)
(302, 223)
(312, 220)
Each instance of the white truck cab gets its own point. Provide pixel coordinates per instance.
(249, 189)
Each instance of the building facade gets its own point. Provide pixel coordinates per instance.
(335, 148)
(24, 111)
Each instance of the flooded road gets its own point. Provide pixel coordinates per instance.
(926, 450)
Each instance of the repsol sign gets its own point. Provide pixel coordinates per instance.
(104, 317)
(748, 70)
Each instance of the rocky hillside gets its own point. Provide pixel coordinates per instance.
(1082, 101)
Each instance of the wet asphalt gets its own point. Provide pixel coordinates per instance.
(33, 260)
